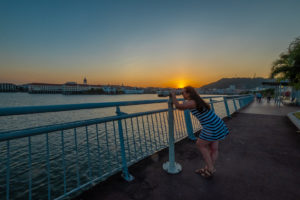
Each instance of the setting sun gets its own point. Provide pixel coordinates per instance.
(181, 84)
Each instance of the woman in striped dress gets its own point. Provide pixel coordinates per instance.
(213, 128)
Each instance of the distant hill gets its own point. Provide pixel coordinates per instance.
(240, 83)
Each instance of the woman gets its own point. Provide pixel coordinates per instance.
(213, 128)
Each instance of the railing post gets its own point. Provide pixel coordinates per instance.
(125, 174)
(189, 125)
(212, 104)
(279, 95)
(234, 104)
(171, 166)
(240, 103)
(226, 106)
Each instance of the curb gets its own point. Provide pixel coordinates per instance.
(294, 119)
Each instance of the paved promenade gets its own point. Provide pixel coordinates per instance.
(265, 108)
(259, 160)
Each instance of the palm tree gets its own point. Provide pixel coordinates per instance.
(288, 64)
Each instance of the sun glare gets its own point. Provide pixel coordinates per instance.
(181, 84)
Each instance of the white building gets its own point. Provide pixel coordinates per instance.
(109, 89)
(130, 90)
(74, 88)
(8, 87)
(95, 87)
(67, 88)
(44, 88)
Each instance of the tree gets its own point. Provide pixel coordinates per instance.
(288, 64)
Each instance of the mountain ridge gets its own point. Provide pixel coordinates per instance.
(239, 83)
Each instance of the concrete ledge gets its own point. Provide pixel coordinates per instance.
(294, 119)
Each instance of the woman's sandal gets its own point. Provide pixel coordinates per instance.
(200, 171)
(205, 173)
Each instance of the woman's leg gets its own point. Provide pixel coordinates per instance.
(205, 150)
(214, 151)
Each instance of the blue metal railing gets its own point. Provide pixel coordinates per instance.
(55, 161)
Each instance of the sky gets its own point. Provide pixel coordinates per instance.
(143, 43)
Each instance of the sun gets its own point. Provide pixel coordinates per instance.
(181, 84)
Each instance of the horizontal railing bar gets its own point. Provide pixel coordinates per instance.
(51, 128)
(57, 108)
(227, 96)
(212, 97)
(217, 101)
(235, 96)
(241, 97)
(67, 107)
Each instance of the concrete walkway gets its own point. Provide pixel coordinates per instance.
(260, 159)
(271, 108)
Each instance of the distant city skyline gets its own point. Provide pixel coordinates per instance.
(143, 43)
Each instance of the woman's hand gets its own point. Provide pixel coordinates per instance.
(173, 93)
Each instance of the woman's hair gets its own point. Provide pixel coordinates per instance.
(200, 103)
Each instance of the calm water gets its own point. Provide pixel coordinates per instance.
(19, 148)
(25, 99)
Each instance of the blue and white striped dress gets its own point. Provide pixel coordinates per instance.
(213, 127)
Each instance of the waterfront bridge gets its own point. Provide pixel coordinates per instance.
(60, 161)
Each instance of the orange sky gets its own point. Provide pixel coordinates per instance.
(174, 70)
(161, 76)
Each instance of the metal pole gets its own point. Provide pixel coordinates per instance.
(226, 106)
(171, 166)
(279, 96)
(128, 177)
(276, 95)
(189, 126)
(234, 104)
(212, 104)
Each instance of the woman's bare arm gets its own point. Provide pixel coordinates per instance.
(190, 104)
